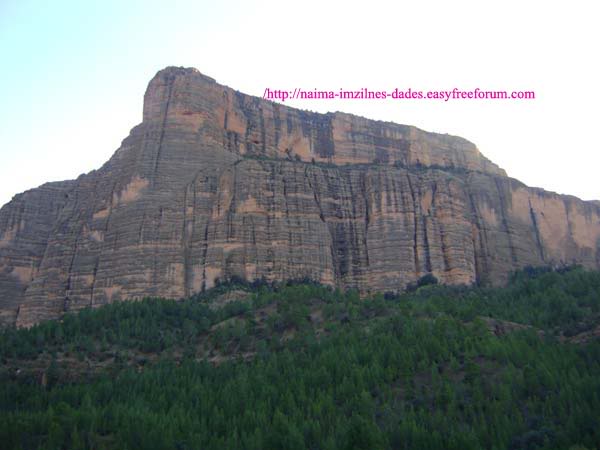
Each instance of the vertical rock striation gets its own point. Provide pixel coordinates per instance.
(214, 183)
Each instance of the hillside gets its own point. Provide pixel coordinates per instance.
(214, 183)
(304, 366)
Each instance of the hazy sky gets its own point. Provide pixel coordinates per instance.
(74, 73)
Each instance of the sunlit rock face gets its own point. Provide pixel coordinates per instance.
(215, 183)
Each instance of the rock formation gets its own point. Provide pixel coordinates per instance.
(214, 183)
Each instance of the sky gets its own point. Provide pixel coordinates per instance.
(73, 74)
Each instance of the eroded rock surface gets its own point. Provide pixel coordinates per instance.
(214, 183)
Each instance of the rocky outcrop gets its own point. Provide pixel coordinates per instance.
(214, 183)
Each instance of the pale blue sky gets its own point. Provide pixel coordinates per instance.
(73, 74)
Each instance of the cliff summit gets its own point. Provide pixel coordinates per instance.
(215, 183)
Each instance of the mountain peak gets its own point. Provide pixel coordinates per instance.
(215, 184)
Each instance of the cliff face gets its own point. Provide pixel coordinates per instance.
(214, 183)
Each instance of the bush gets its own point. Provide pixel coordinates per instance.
(425, 280)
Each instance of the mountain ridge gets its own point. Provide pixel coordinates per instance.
(214, 183)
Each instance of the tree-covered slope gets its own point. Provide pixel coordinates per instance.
(302, 366)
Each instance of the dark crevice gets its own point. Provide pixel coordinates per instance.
(285, 198)
(70, 271)
(415, 227)
(481, 262)
(367, 217)
(170, 81)
(536, 231)
(277, 123)
(231, 210)
(440, 226)
(315, 196)
(263, 133)
(96, 264)
(426, 245)
(141, 230)
(204, 253)
(185, 245)
(334, 258)
(505, 222)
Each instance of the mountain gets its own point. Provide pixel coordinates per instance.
(215, 184)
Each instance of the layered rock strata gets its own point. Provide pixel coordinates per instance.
(214, 183)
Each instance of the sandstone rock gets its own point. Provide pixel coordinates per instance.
(214, 183)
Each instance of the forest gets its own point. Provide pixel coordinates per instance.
(299, 365)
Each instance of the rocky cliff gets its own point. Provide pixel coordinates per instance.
(214, 183)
